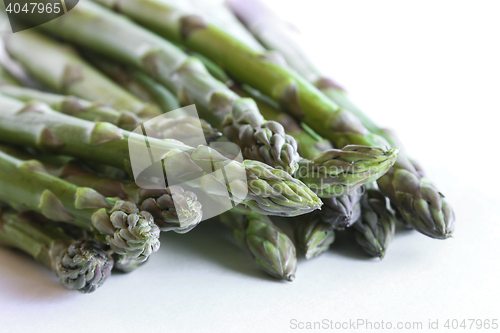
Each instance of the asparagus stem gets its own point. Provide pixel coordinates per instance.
(271, 249)
(27, 185)
(173, 208)
(261, 70)
(79, 265)
(418, 201)
(74, 106)
(123, 41)
(333, 172)
(137, 82)
(259, 186)
(61, 69)
(185, 128)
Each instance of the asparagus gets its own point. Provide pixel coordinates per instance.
(261, 70)
(313, 236)
(183, 128)
(119, 39)
(137, 82)
(418, 201)
(340, 211)
(375, 229)
(343, 211)
(332, 172)
(79, 264)
(271, 249)
(74, 106)
(27, 185)
(262, 188)
(173, 209)
(60, 68)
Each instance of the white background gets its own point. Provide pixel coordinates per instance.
(431, 70)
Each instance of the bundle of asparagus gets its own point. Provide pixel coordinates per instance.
(81, 199)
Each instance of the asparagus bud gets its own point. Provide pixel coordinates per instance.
(375, 229)
(185, 76)
(312, 236)
(271, 249)
(82, 266)
(341, 212)
(340, 171)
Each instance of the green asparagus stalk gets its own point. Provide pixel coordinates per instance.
(313, 236)
(121, 40)
(182, 128)
(264, 71)
(375, 229)
(60, 68)
(333, 172)
(27, 185)
(418, 201)
(173, 208)
(262, 188)
(137, 82)
(74, 106)
(271, 249)
(79, 265)
(339, 211)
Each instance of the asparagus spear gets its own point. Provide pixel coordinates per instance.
(259, 186)
(343, 211)
(79, 265)
(173, 208)
(119, 39)
(183, 128)
(27, 185)
(331, 172)
(340, 211)
(74, 106)
(61, 69)
(261, 70)
(375, 229)
(313, 236)
(271, 249)
(137, 82)
(418, 201)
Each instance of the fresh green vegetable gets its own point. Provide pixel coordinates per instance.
(417, 199)
(271, 249)
(79, 264)
(121, 40)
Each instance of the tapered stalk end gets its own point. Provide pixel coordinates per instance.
(273, 251)
(419, 203)
(375, 229)
(82, 266)
(336, 172)
(313, 236)
(274, 192)
(342, 211)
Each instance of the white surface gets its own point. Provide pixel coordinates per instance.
(431, 70)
